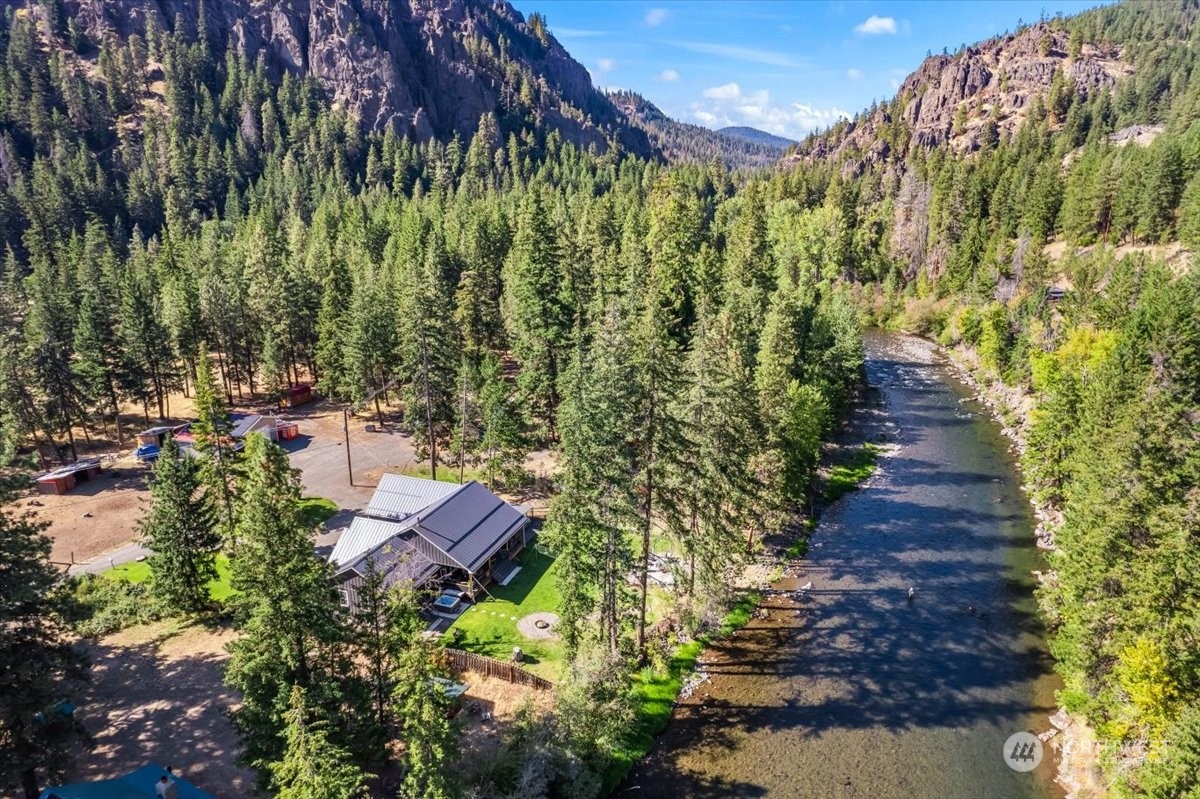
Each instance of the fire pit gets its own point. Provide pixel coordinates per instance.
(538, 626)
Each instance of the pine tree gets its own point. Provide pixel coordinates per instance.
(383, 624)
(502, 443)
(284, 605)
(312, 767)
(427, 348)
(597, 508)
(214, 443)
(721, 496)
(535, 315)
(662, 436)
(430, 740)
(333, 326)
(40, 663)
(180, 529)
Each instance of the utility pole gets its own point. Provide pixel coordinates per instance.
(346, 431)
(354, 408)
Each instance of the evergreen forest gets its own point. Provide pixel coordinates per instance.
(176, 219)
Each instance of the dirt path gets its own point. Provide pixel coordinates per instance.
(157, 697)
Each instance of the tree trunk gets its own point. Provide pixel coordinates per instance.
(462, 432)
(645, 568)
(29, 783)
(429, 411)
(71, 441)
(116, 403)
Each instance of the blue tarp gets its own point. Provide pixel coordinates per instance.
(134, 785)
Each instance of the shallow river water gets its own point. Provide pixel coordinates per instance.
(854, 691)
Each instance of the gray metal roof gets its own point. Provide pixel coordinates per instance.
(469, 525)
(361, 537)
(251, 423)
(400, 496)
(396, 557)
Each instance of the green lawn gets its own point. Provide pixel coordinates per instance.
(490, 626)
(139, 571)
(314, 510)
(445, 473)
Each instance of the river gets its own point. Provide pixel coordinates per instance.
(853, 690)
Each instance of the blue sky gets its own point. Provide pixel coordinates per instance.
(784, 67)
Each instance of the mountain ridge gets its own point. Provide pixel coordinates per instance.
(427, 68)
(682, 142)
(752, 134)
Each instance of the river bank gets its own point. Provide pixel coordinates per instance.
(1070, 738)
(841, 685)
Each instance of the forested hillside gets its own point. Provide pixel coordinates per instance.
(684, 143)
(756, 136)
(178, 218)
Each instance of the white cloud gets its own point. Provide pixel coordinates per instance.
(895, 83)
(874, 25)
(668, 76)
(656, 16)
(854, 74)
(729, 91)
(753, 55)
(605, 64)
(729, 105)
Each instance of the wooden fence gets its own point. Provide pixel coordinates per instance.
(504, 670)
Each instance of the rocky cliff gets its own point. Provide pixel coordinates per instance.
(425, 67)
(958, 100)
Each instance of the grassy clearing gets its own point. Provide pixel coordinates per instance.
(139, 571)
(490, 626)
(655, 692)
(315, 510)
(847, 476)
(445, 473)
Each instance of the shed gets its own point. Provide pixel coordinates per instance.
(297, 395)
(154, 435)
(60, 481)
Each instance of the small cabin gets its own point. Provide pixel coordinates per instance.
(297, 395)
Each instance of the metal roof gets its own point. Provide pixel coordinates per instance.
(396, 558)
(400, 496)
(245, 425)
(361, 537)
(470, 525)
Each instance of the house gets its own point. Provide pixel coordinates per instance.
(432, 534)
(137, 784)
(60, 481)
(245, 424)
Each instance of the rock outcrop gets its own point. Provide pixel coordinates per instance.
(952, 100)
(424, 67)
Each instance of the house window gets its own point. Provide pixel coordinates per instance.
(344, 596)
